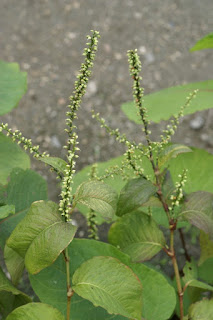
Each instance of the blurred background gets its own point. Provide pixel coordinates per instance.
(47, 37)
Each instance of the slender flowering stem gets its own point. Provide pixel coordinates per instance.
(75, 101)
(172, 126)
(65, 204)
(17, 136)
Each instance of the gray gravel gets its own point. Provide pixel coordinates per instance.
(47, 37)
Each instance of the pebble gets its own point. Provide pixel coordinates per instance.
(197, 123)
(55, 142)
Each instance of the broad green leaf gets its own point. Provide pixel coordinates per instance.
(135, 193)
(6, 210)
(198, 210)
(10, 297)
(57, 163)
(35, 311)
(11, 156)
(50, 284)
(24, 187)
(137, 235)
(205, 271)
(14, 263)
(204, 43)
(164, 104)
(97, 196)
(114, 287)
(202, 310)
(206, 246)
(196, 179)
(171, 151)
(41, 236)
(13, 85)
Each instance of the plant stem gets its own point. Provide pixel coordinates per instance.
(184, 245)
(177, 274)
(69, 289)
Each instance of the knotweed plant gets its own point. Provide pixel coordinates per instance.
(86, 279)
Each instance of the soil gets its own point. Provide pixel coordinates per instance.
(47, 37)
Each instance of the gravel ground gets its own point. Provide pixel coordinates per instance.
(47, 37)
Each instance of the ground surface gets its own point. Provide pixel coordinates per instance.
(47, 37)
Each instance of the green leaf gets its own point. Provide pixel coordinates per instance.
(114, 287)
(163, 104)
(171, 151)
(198, 210)
(50, 284)
(97, 196)
(11, 156)
(41, 236)
(206, 246)
(57, 163)
(137, 235)
(35, 311)
(198, 284)
(14, 263)
(135, 193)
(190, 277)
(116, 182)
(205, 271)
(6, 210)
(202, 310)
(196, 179)
(24, 187)
(10, 297)
(204, 43)
(13, 85)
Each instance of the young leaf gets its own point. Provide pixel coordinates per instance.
(24, 187)
(10, 297)
(169, 101)
(205, 271)
(198, 210)
(55, 162)
(202, 310)
(6, 210)
(14, 263)
(114, 287)
(13, 85)
(190, 277)
(204, 43)
(97, 196)
(206, 246)
(198, 284)
(134, 194)
(35, 311)
(154, 306)
(190, 271)
(12, 156)
(137, 235)
(42, 226)
(171, 151)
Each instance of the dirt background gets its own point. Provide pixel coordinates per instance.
(47, 37)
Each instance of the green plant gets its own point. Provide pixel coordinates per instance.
(88, 279)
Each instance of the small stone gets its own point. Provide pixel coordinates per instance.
(197, 123)
(149, 56)
(204, 137)
(55, 142)
(91, 88)
(81, 233)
